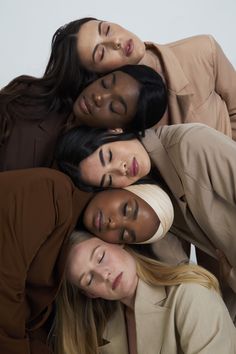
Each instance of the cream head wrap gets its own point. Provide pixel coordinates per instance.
(160, 202)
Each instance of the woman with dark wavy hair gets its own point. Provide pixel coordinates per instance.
(34, 110)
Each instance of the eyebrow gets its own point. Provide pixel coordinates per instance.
(90, 258)
(101, 157)
(96, 46)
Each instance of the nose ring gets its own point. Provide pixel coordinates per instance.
(118, 45)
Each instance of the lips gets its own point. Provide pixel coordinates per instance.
(98, 220)
(117, 281)
(129, 47)
(84, 105)
(134, 168)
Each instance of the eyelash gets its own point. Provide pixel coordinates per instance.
(104, 85)
(107, 31)
(99, 261)
(112, 109)
(103, 52)
(125, 209)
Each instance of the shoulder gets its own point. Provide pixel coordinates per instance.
(203, 42)
(189, 297)
(33, 178)
(177, 133)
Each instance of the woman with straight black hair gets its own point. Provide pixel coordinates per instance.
(79, 143)
(133, 97)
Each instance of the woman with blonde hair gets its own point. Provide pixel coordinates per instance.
(115, 300)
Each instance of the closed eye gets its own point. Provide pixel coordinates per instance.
(108, 30)
(125, 209)
(104, 85)
(110, 181)
(90, 280)
(110, 156)
(101, 258)
(102, 54)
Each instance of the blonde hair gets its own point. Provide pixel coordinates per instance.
(80, 321)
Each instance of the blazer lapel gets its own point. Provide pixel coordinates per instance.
(150, 317)
(115, 334)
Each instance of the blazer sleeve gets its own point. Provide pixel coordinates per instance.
(203, 322)
(35, 216)
(225, 80)
(209, 173)
(170, 250)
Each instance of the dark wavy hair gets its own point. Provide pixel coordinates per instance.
(80, 142)
(61, 83)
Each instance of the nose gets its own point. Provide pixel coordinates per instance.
(116, 44)
(112, 223)
(120, 169)
(102, 98)
(103, 273)
(97, 98)
(113, 43)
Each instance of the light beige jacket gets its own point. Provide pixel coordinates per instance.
(184, 319)
(199, 166)
(201, 83)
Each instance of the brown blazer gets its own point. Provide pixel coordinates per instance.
(33, 136)
(198, 165)
(183, 319)
(201, 83)
(39, 209)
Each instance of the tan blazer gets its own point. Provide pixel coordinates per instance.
(201, 83)
(198, 165)
(183, 319)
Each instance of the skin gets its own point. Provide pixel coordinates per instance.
(103, 270)
(116, 164)
(110, 101)
(119, 216)
(104, 46)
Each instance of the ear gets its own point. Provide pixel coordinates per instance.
(116, 130)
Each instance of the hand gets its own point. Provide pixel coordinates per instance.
(225, 266)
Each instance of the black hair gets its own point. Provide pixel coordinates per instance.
(80, 142)
(152, 102)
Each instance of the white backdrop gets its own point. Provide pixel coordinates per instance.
(26, 26)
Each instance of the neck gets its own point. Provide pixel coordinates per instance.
(129, 300)
(150, 59)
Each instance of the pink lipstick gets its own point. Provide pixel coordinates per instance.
(129, 47)
(117, 281)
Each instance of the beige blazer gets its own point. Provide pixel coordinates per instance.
(201, 83)
(198, 165)
(183, 319)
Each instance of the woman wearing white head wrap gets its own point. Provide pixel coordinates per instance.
(160, 202)
(167, 247)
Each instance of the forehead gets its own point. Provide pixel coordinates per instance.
(87, 38)
(113, 195)
(80, 255)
